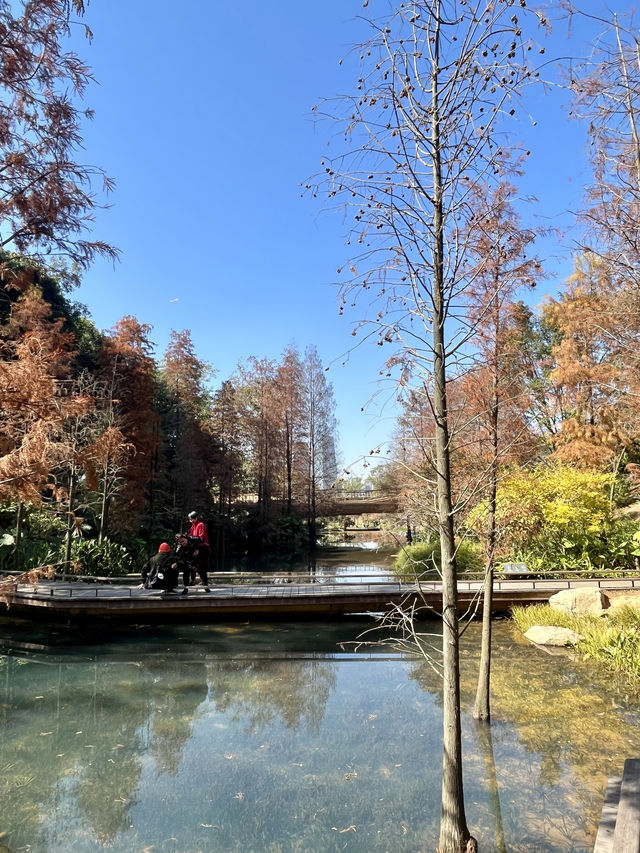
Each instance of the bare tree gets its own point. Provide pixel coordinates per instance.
(606, 87)
(439, 84)
(320, 424)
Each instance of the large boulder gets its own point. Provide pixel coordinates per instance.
(624, 599)
(580, 601)
(551, 635)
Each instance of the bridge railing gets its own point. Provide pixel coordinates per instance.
(328, 495)
(358, 495)
(233, 583)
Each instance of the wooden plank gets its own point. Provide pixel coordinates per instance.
(604, 838)
(626, 837)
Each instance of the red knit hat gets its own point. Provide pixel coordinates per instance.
(164, 548)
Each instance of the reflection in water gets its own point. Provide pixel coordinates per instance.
(485, 742)
(259, 738)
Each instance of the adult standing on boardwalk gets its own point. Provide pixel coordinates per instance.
(198, 531)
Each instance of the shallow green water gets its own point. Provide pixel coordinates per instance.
(272, 738)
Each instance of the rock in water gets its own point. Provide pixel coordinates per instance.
(550, 635)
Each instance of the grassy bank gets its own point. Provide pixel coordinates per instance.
(613, 641)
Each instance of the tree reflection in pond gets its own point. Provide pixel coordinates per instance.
(258, 692)
(271, 738)
(558, 732)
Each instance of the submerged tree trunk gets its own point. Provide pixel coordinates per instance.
(485, 742)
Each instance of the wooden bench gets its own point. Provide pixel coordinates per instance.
(619, 830)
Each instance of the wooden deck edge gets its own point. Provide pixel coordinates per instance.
(606, 828)
(626, 836)
(219, 606)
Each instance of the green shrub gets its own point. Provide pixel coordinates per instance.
(106, 559)
(423, 558)
(612, 549)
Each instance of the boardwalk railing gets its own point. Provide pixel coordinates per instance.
(234, 583)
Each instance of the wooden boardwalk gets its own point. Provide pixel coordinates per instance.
(619, 830)
(324, 596)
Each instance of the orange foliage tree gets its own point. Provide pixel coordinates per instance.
(35, 366)
(126, 360)
(590, 372)
(46, 195)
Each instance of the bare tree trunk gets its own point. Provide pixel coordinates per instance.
(454, 833)
(482, 706)
(104, 505)
(18, 536)
(289, 464)
(70, 515)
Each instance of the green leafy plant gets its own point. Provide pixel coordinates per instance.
(423, 558)
(106, 559)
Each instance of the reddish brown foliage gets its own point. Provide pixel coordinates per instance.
(46, 198)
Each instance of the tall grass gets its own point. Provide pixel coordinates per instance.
(612, 640)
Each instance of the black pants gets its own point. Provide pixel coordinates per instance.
(199, 564)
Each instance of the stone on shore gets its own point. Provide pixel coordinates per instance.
(582, 601)
(624, 599)
(551, 635)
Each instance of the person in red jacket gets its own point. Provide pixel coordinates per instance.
(198, 528)
(198, 531)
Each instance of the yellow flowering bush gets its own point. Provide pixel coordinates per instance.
(559, 516)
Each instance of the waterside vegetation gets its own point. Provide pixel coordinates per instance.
(612, 640)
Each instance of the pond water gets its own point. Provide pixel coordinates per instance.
(288, 738)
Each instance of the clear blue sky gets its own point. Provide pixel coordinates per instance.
(203, 119)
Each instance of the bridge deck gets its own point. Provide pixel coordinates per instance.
(54, 600)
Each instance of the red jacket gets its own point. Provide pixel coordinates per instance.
(199, 528)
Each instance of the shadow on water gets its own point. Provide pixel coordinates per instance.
(286, 737)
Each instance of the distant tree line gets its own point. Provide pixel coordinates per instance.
(117, 446)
